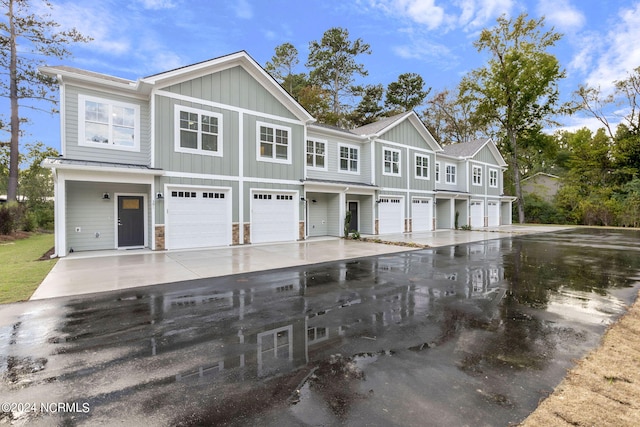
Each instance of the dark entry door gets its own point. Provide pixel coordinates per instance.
(130, 221)
(353, 208)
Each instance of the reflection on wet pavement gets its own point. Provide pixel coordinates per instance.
(473, 334)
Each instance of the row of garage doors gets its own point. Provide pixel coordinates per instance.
(202, 217)
(391, 214)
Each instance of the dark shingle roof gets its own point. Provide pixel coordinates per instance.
(375, 127)
(464, 149)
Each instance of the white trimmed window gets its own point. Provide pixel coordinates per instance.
(437, 171)
(273, 143)
(348, 158)
(493, 178)
(316, 154)
(450, 174)
(110, 124)
(476, 175)
(198, 131)
(422, 167)
(390, 162)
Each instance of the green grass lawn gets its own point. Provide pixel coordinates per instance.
(20, 270)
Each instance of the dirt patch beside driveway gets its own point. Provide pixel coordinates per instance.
(604, 388)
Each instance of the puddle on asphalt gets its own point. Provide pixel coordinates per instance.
(466, 334)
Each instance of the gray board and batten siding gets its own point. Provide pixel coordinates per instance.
(71, 146)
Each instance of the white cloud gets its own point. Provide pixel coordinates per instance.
(423, 12)
(84, 18)
(487, 11)
(243, 9)
(619, 52)
(468, 14)
(158, 4)
(561, 14)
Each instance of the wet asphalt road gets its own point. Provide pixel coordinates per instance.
(473, 334)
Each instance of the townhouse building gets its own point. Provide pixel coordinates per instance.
(218, 153)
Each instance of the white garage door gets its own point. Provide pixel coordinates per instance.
(477, 215)
(197, 217)
(494, 214)
(274, 217)
(422, 215)
(390, 215)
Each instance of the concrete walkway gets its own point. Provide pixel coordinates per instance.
(100, 271)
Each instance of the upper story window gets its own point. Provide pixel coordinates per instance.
(274, 143)
(391, 162)
(493, 178)
(316, 154)
(422, 167)
(198, 131)
(476, 175)
(349, 158)
(450, 174)
(106, 123)
(438, 172)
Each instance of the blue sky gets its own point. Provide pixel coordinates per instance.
(434, 38)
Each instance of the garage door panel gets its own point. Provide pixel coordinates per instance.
(198, 218)
(477, 214)
(390, 215)
(421, 214)
(274, 217)
(493, 209)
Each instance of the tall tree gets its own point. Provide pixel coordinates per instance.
(518, 88)
(449, 119)
(406, 93)
(332, 62)
(369, 109)
(37, 37)
(282, 64)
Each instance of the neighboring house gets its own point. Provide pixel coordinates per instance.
(218, 153)
(542, 184)
(469, 184)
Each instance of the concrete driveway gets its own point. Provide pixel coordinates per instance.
(100, 271)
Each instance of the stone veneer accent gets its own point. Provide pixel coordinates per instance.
(408, 225)
(376, 227)
(235, 234)
(247, 233)
(301, 230)
(159, 236)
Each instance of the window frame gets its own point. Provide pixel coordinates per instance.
(391, 162)
(111, 103)
(273, 158)
(314, 154)
(437, 172)
(179, 149)
(448, 174)
(493, 179)
(349, 160)
(422, 167)
(475, 168)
